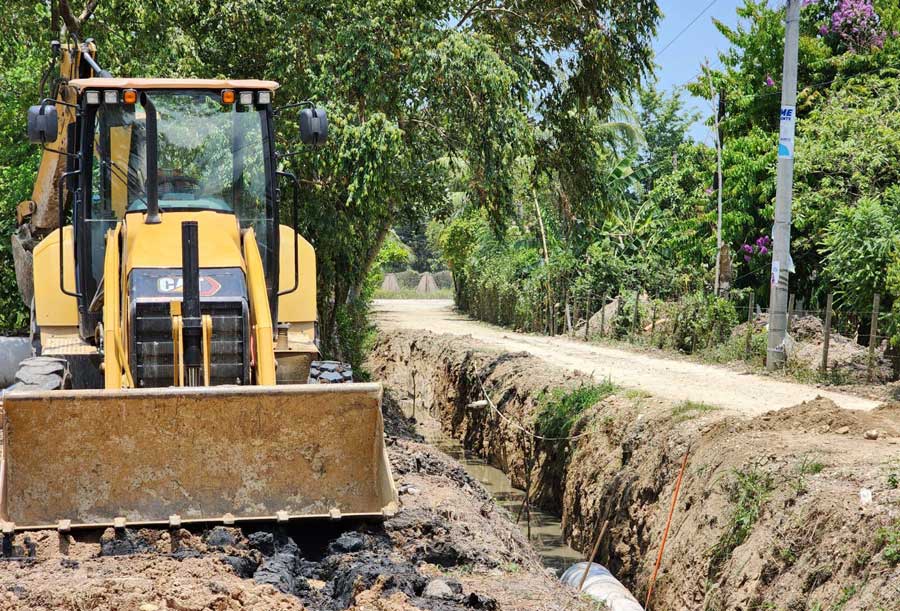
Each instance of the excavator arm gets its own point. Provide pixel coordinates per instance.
(39, 216)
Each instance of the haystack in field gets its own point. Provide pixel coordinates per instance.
(390, 283)
(427, 284)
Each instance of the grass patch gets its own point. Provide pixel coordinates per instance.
(687, 410)
(636, 393)
(888, 539)
(412, 294)
(561, 408)
(748, 490)
(734, 349)
(806, 467)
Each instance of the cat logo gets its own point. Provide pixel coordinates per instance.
(209, 286)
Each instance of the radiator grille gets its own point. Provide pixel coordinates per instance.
(153, 347)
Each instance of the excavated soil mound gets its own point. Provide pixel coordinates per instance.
(846, 358)
(450, 548)
(795, 509)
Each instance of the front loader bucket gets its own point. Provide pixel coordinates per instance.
(89, 458)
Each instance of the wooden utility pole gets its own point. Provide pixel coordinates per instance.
(537, 207)
(781, 238)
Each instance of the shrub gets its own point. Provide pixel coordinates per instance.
(703, 320)
(561, 409)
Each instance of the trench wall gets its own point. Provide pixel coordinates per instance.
(801, 539)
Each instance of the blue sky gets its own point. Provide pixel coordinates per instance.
(681, 61)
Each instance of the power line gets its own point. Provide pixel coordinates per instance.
(686, 28)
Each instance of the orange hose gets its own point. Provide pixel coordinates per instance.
(665, 536)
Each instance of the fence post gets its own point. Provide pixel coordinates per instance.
(603, 315)
(553, 315)
(827, 338)
(634, 320)
(587, 317)
(653, 321)
(568, 318)
(790, 313)
(873, 336)
(749, 338)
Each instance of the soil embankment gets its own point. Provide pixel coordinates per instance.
(661, 375)
(792, 509)
(450, 548)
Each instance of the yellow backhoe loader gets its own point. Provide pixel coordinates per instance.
(174, 320)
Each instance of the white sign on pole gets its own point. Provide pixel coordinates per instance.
(776, 272)
(786, 135)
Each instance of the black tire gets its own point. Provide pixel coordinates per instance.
(330, 372)
(42, 373)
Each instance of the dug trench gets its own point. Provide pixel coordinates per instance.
(449, 548)
(794, 509)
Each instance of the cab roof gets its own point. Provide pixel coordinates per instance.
(171, 83)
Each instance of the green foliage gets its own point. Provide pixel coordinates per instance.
(394, 255)
(427, 101)
(561, 409)
(888, 540)
(747, 491)
(859, 245)
(20, 62)
(701, 320)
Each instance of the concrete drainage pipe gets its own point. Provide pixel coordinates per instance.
(13, 350)
(601, 585)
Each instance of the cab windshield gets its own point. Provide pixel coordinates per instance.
(210, 156)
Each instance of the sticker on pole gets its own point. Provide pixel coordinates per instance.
(786, 135)
(776, 272)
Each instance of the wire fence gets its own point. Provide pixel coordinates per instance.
(829, 344)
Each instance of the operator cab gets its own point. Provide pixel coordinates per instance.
(141, 150)
(212, 151)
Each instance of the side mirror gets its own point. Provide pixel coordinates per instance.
(313, 126)
(43, 124)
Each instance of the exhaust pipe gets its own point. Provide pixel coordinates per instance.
(190, 305)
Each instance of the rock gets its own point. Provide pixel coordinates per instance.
(220, 537)
(262, 541)
(480, 601)
(842, 430)
(122, 543)
(871, 435)
(437, 588)
(348, 543)
(149, 607)
(243, 566)
(281, 570)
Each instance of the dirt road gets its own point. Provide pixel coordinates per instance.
(672, 379)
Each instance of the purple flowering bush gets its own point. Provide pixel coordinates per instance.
(855, 23)
(760, 248)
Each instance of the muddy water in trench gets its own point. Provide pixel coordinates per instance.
(546, 529)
